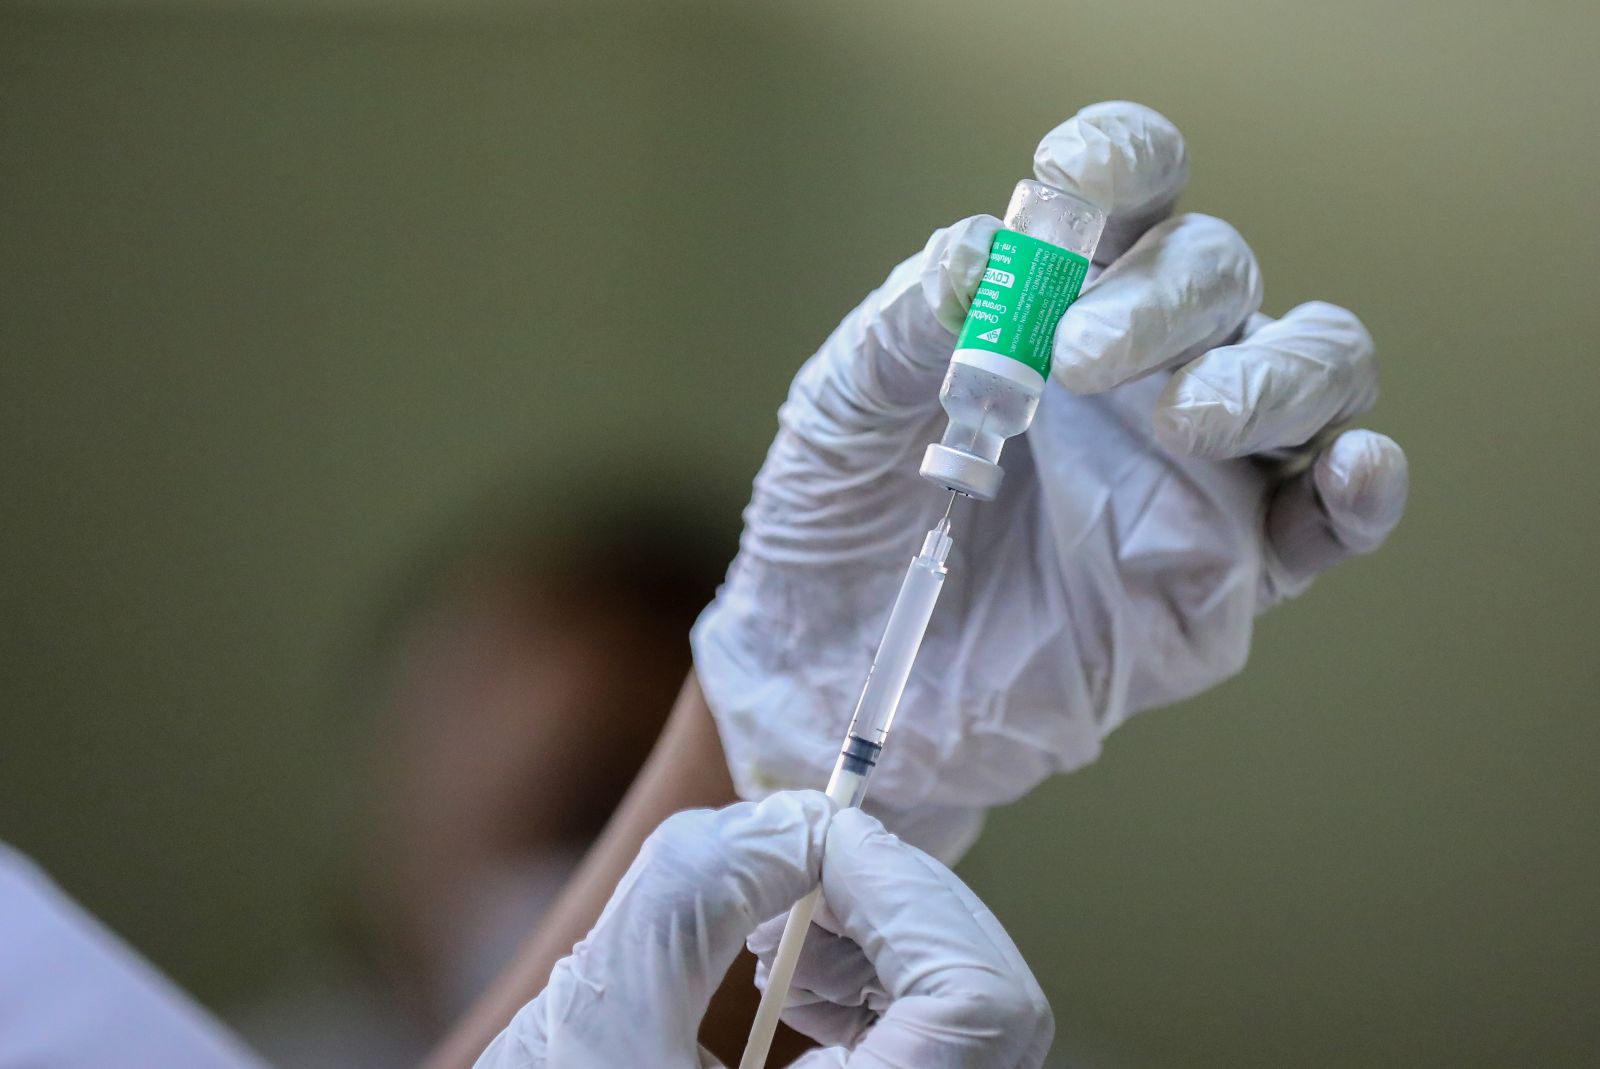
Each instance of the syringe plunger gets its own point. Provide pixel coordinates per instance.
(869, 727)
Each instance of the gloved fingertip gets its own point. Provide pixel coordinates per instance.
(853, 829)
(1333, 320)
(766, 933)
(953, 264)
(1080, 376)
(1089, 351)
(1124, 157)
(859, 854)
(1363, 480)
(771, 850)
(810, 801)
(809, 809)
(972, 236)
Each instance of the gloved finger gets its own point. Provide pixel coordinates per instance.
(960, 993)
(1187, 285)
(1280, 385)
(835, 992)
(880, 369)
(763, 942)
(829, 1024)
(1126, 159)
(682, 911)
(834, 968)
(831, 965)
(1344, 504)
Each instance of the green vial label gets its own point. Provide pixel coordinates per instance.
(1025, 289)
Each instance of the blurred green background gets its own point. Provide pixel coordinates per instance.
(284, 292)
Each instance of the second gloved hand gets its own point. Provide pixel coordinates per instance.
(909, 968)
(955, 994)
(1186, 469)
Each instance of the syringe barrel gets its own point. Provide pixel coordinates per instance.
(901, 639)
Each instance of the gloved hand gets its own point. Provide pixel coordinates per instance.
(894, 922)
(1185, 471)
(955, 992)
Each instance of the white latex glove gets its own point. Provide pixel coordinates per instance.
(1137, 534)
(897, 924)
(957, 993)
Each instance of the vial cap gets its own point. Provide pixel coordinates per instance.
(962, 472)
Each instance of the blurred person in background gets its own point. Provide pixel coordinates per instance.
(502, 735)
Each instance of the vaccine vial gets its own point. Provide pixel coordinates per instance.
(1037, 264)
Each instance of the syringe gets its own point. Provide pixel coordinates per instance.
(1037, 262)
(869, 727)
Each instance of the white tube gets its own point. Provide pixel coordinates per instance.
(844, 790)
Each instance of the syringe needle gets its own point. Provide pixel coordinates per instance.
(953, 495)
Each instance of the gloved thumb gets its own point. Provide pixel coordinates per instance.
(877, 376)
(957, 991)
